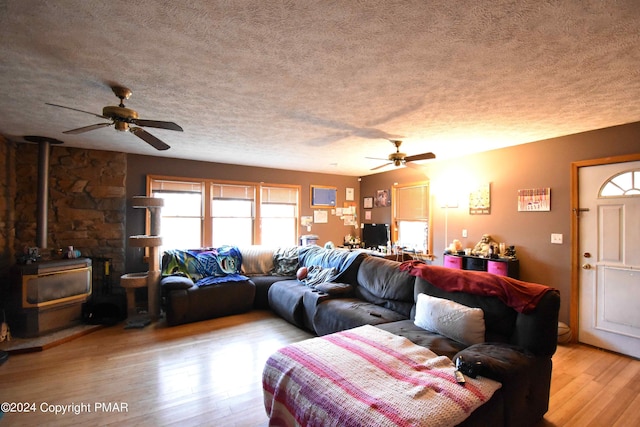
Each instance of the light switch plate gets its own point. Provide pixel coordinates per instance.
(464, 233)
(556, 238)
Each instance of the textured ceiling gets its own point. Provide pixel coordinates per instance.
(318, 85)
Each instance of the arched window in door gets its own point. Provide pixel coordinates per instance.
(621, 185)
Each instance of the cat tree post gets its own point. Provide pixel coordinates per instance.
(153, 241)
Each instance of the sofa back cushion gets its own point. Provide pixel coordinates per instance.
(286, 261)
(257, 259)
(381, 282)
(536, 331)
(344, 262)
(500, 320)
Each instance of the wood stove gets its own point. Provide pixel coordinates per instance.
(46, 296)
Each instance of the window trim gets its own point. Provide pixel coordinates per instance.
(203, 192)
(206, 186)
(429, 219)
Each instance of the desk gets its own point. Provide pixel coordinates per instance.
(501, 266)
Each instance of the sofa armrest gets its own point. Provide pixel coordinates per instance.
(175, 283)
(525, 378)
(176, 306)
(497, 361)
(538, 331)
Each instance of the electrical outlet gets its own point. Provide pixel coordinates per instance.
(464, 233)
(556, 238)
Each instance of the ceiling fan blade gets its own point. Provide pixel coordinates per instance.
(149, 139)
(423, 156)
(157, 124)
(381, 166)
(375, 158)
(87, 128)
(75, 109)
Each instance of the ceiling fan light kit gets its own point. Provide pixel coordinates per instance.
(122, 118)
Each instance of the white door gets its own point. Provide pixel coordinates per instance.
(609, 227)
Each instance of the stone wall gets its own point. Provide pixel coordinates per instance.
(87, 202)
(7, 196)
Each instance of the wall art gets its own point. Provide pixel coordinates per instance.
(383, 199)
(323, 197)
(534, 200)
(349, 194)
(320, 217)
(480, 200)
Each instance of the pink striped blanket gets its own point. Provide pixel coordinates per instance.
(367, 377)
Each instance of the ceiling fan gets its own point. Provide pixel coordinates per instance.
(399, 158)
(123, 118)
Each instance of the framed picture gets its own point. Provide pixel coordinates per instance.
(383, 199)
(534, 200)
(480, 200)
(320, 217)
(349, 194)
(323, 197)
(367, 202)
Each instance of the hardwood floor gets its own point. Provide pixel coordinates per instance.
(593, 388)
(209, 374)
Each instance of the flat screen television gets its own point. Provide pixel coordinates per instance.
(375, 235)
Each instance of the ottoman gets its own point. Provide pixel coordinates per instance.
(367, 376)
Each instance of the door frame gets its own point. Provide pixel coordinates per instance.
(575, 233)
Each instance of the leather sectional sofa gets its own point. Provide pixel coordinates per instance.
(518, 335)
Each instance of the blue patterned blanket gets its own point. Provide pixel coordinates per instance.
(205, 266)
(336, 259)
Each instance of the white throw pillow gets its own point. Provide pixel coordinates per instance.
(445, 317)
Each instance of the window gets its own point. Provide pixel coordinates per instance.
(279, 215)
(237, 213)
(181, 216)
(622, 184)
(410, 207)
(232, 214)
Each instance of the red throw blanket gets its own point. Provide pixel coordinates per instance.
(521, 296)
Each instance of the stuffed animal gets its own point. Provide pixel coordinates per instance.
(483, 247)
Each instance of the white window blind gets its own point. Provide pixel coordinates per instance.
(412, 203)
